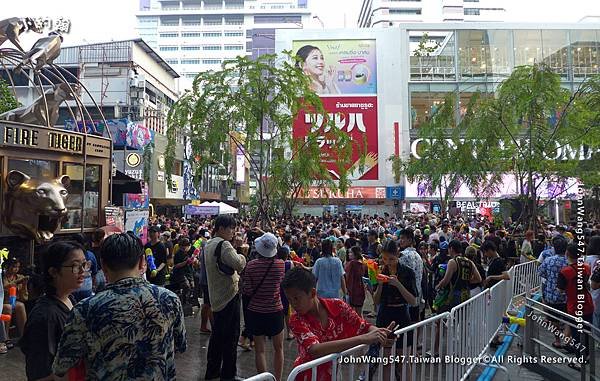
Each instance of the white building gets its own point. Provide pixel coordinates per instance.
(388, 13)
(198, 35)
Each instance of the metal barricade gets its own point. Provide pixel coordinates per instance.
(448, 346)
(473, 324)
(424, 359)
(262, 377)
(525, 279)
(539, 334)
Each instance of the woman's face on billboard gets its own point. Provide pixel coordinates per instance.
(314, 63)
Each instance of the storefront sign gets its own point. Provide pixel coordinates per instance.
(14, 135)
(559, 152)
(114, 216)
(351, 193)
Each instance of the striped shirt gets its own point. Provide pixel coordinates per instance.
(267, 298)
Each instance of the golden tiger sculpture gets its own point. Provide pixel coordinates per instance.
(35, 207)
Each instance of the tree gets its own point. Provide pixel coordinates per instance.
(538, 131)
(445, 162)
(533, 129)
(253, 105)
(7, 99)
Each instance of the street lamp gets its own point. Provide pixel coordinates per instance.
(320, 21)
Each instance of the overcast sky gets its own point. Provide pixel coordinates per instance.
(95, 21)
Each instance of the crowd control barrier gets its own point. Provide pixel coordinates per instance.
(446, 346)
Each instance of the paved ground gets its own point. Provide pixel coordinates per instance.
(191, 365)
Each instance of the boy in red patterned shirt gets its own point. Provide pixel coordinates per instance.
(324, 326)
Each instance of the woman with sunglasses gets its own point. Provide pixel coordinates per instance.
(64, 267)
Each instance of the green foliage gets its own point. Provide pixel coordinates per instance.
(527, 129)
(252, 104)
(7, 99)
(147, 161)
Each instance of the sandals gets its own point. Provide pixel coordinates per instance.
(9, 344)
(3, 349)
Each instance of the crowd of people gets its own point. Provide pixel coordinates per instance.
(113, 307)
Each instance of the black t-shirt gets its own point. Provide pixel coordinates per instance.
(41, 336)
(159, 251)
(351, 242)
(497, 267)
(181, 272)
(390, 294)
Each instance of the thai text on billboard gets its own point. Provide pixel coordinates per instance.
(344, 74)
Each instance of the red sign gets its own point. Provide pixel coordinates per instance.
(352, 192)
(357, 116)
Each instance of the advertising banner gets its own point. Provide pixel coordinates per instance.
(339, 66)
(344, 74)
(137, 222)
(357, 116)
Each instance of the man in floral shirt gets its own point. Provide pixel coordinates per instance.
(324, 326)
(549, 270)
(128, 331)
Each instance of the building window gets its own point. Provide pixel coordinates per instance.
(190, 62)
(234, 47)
(169, 21)
(405, 11)
(168, 35)
(234, 34)
(191, 34)
(168, 48)
(212, 34)
(277, 19)
(471, 1)
(472, 11)
(172, 62)
(234, 21)
(191, 75)
(211, 62)
(188, 48)
(76, 199)
(218, 21)
(211, 47)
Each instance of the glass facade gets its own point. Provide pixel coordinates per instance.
(466, 61)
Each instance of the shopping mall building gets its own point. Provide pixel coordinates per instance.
(384, 91)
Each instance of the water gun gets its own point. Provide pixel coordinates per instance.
(373, 270)
(442, 269)
(294, 257)
(12, 297)
(513, 320)
(197, 245)
(151, 264)
(383, 278)
(3, 255)
(5, 317)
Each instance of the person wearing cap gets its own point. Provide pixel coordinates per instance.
(160, 254)
(262, 278)
(222, 269)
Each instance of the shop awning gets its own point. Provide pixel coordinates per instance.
(123, 183)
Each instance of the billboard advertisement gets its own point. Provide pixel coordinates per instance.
(344, 74)
(339, 66)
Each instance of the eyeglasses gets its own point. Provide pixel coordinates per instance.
(79, 268)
